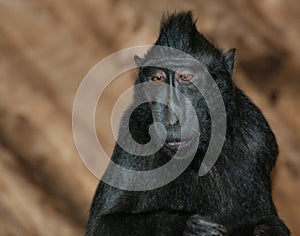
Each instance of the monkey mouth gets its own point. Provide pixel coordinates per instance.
(177, 144)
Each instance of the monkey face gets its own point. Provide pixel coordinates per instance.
(186, 91)
(174, 112)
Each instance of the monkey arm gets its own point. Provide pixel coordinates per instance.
(161, 223)
(273, 226)
(164, 223)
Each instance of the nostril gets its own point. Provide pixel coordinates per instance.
(176, 123)
(173, 119)
(170, 117)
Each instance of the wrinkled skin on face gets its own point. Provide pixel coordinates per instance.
(175, 112)
(184, 76)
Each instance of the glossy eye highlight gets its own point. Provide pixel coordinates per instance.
(186, 77)
(159, 77)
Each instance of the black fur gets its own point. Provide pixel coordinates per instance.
(234, 198)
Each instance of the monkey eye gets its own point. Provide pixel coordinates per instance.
(159, 77)
(186, 77)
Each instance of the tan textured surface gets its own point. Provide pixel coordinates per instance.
(48, 46)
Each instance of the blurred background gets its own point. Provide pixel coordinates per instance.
(46, 49)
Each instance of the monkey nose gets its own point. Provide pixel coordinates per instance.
(173, 119)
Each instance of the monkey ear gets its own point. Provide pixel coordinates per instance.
(229, 60)
(138, 60)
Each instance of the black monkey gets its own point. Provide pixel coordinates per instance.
(234, 197)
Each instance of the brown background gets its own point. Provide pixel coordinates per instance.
(47, 47)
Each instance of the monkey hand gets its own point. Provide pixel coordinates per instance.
(271, 227)
(197, 225)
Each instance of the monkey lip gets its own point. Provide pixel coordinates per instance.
(177, 144)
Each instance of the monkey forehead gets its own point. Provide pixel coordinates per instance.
(176, 63)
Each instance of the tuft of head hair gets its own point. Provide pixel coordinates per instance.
(179, 31)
